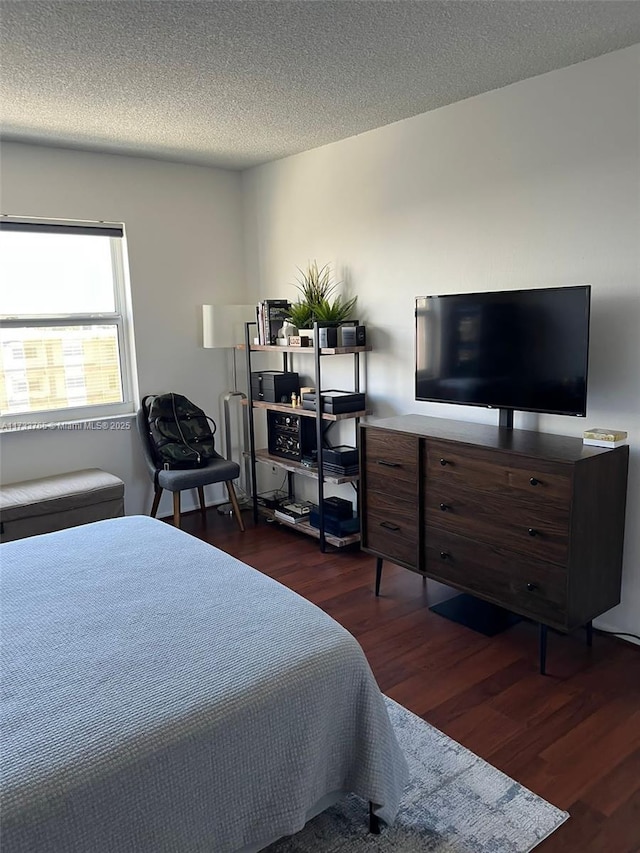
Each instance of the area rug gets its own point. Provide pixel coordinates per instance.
(454, 803)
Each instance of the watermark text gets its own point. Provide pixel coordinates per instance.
(78, 426)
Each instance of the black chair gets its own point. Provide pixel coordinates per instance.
(217, 470)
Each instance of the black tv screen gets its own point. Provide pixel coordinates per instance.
(515, 349)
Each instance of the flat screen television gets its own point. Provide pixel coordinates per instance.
(524, 350)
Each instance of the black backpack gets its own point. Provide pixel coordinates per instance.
(179, 432)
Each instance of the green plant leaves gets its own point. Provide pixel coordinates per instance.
(316, 283)
(334, 312)
(316, 286)
(301, 315)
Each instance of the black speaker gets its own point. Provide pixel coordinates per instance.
(361, 336)
(328, 336)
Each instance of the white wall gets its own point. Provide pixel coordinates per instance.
(183, 226)
(536, 184)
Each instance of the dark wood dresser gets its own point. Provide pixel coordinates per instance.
(529, 521)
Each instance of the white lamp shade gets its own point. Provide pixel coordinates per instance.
(223, 325)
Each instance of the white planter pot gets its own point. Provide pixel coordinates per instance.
(306, 333)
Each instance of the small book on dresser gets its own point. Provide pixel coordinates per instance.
(598, 437)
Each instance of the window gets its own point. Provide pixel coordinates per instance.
(66, 332)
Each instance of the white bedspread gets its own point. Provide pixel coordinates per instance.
(160, 695)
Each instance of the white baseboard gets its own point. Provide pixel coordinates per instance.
(604, 626)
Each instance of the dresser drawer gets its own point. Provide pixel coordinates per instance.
(390, 527)
(532, 528)
(391, 463)
(526, 586)
(485, 470)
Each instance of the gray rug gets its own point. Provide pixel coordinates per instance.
(454, 803)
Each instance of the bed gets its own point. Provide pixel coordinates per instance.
(160, 695)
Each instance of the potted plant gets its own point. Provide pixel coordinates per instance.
(301, 315)
(334, 312)
(317, 286)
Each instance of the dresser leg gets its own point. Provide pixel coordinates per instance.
(543, 649)
(378, 574)
(589, 627)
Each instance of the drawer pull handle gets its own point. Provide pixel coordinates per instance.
(389, 525)
(444, 462)
(534, 482)
(532, 587)
(389, 464)
(444, 555)
(533, 532)
(444, 507)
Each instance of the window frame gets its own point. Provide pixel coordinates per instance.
(121, 318)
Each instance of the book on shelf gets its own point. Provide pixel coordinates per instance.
(302, 507)
(270, 315)
(293, 511)
(259, 325)
(292, 518)
(598, 437)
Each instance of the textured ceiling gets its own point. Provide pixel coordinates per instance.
(238, 83)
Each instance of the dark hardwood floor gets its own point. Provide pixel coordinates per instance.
(573, 736)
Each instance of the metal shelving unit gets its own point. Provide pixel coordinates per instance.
(293, 468)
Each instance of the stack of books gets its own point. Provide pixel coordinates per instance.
(293, 511)
(270, 316)
(604, 437)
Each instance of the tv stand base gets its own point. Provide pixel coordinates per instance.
(505, 418)
(474, 613)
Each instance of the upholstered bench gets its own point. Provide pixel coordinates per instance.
(53, 503)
